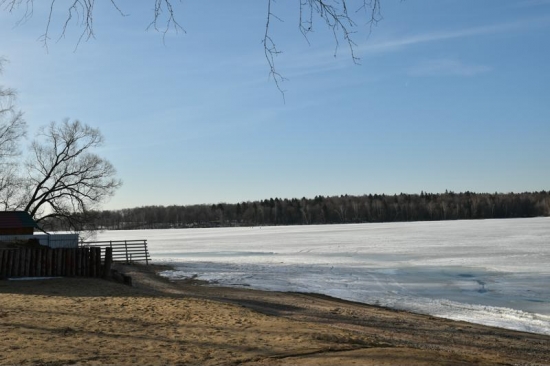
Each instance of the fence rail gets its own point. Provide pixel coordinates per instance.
(127, 251)
(39, 262)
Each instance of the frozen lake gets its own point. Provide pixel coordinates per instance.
(493, 272)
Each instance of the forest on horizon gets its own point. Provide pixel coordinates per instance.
(324, 210)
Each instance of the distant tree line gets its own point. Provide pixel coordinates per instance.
(328, 210)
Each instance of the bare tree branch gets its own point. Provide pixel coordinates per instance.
(12, 188)
(334, 14)
(12, 124)
(12, 130)
(170, 22)
(342, 17)
(65, 177)
(82, 13)
(271, 51)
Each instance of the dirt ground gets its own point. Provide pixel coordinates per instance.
(71, 321)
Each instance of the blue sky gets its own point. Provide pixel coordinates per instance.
(449, 95)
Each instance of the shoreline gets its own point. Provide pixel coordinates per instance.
(93, 321)
(529, 321)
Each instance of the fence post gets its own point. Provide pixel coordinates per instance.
(31, 259)
(146, 252)
(15, 270)
(9, 262)
(28, 262)
(44, 269)
(59, 262)
(38, 262)
(74, 256)
(67, 261)
(108, 262)
(92, 262)
(97, 263)
(49, 256)
(2, 263)
(126, 248)
(85, 262)
(22, 259)
(54, 262)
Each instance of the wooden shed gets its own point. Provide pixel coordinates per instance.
(16, 223)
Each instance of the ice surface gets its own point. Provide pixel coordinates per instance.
(492, 272)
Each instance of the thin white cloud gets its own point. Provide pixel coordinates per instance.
(296, 64)
(447, 67)
(397, 44)
(530, 3)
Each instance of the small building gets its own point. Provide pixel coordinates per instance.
(16, 223)
(19, 226)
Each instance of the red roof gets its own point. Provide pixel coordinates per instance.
(16, 220)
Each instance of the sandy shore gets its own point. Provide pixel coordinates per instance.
(155, 322)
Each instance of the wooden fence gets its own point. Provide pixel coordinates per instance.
(127, 251)
(39, 262)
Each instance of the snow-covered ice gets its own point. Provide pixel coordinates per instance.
(493, 272)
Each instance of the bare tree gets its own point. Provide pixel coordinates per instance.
(12, 129)
(12, 125)
(11, 189)
(342, 17)
(65, 178)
